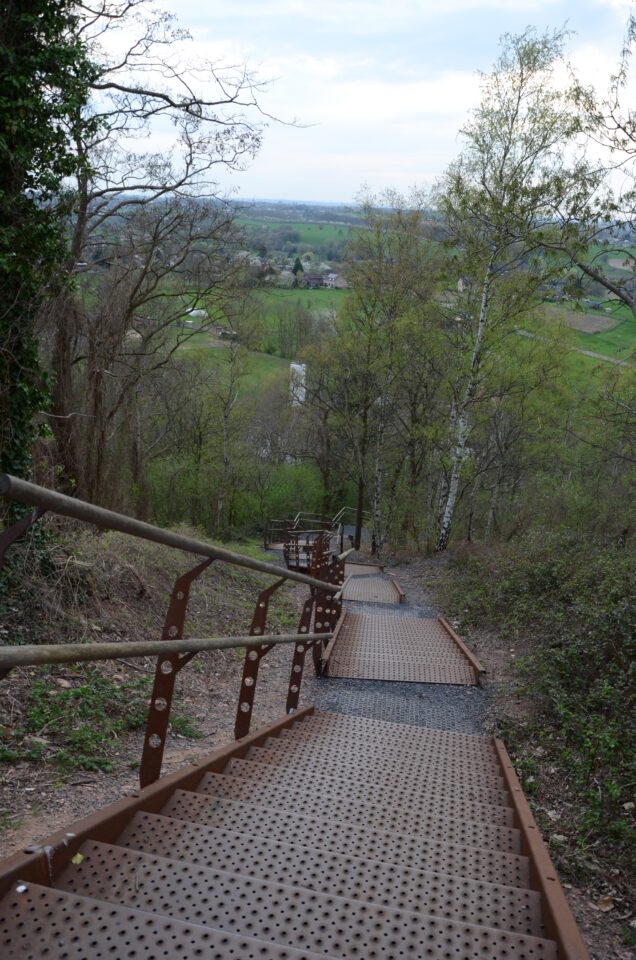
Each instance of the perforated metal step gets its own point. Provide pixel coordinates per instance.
(313, 867)
(38, 922)
(458, 801)
(404, 649)
(354, 568)
(300, 790)
(395, 813)
(366, 589)
(403, 779)
(355, 840)
(394, 764)
(288, 915)
(339, 727)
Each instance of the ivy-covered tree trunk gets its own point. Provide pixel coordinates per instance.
(44, 77)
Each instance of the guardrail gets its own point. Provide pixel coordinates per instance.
(324, 578)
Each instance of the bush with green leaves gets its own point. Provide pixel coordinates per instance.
(574, 601)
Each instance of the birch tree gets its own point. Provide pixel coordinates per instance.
(498, 198)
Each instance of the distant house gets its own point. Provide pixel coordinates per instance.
(330, 280)
(312, 280)
(297, 383)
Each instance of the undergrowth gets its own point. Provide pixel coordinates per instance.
(64, 583)
(571, 602)
(80, 725)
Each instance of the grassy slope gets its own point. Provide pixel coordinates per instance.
(619, 341)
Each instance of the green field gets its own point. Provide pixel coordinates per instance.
(313, 234)
(262, 366)
(618, 341)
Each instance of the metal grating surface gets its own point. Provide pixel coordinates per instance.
(427, 820)
(353, 569)
(429, 804)
(333, 726)
(377, 780)
(291, 916)
(355, 839)
(411, 649)
(314, 868)
(392, 763)
(371, 590)
(340, 793)
(40, 922)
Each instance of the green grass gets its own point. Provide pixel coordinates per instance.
(318, 299)
(262, 367)
(312, 234)
(619, 341)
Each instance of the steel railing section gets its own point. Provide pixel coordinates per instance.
(173, 651)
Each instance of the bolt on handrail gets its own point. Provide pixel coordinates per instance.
(15, 489)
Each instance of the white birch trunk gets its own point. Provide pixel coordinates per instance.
(461, 436)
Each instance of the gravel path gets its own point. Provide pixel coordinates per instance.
(441, 706)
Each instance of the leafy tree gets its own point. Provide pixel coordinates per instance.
(44, 78)
(497, 199)
(298, 267)
(600, 205)
(151, 233)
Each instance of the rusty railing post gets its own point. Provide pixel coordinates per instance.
(165, 677)
(298, 662)
(328, 608)
(252, 662)
(9, 536)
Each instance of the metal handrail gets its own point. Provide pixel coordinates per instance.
(16, 489)
(38, 654)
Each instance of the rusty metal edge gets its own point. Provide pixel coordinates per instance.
(400, 591)
(558, 918)
(332, 642)
(478, 670)
(51, 855)
(366, 563)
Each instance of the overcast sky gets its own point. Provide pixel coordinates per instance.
(382, 86)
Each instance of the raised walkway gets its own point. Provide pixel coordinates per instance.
(383, 825)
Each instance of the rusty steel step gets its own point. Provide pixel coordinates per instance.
(377, 732)
(39, 922)
(389, 885)
(371, 589)
(389, 808)
(338, 766)
(438, 750)
(396, 648)
(353, 758)
(444, 786)
(394, 814)
(416, 852)
(364, 789)
(432, 806)
(292, 916)
(458, 803)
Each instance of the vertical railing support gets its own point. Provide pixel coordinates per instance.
(327, 608)
(252, 662)
(165, 676)
(9, 536)
(300, 649)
